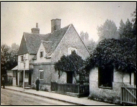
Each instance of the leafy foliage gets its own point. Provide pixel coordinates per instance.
(126, 30)
(8, 57)
(108, 30)
(71, 63)
(121, 54)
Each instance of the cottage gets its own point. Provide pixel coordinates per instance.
(38, 53)
(105, 84)
(112, 71)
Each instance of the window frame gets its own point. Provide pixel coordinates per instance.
(101, 78)
(40, 71)
(22, 58)
(41, 54)
(71, 49)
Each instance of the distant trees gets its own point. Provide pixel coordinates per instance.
(120, 53)
(108, 30)
(90, 44)
(84, 36)
(8, 57)
(134, 22)
(126, 30)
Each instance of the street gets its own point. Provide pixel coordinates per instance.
(9, 97)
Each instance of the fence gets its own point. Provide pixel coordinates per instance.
(82, 90)
(128, 95)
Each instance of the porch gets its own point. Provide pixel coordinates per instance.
(18, 77)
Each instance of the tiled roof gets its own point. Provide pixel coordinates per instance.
(33, 40)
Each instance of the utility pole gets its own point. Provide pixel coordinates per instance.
(24, 74)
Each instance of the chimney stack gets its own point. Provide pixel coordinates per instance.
(55, 24)
(35, 30)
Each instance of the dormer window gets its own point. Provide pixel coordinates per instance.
(41, 54)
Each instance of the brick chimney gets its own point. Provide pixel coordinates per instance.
(55, 24)
(35, 30)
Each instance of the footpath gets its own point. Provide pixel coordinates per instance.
(59, 97)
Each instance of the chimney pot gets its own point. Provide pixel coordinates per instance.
(36, 25)
(35, 30)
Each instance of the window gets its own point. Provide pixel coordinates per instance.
(22, 58)
(41, 74)
(105, 77)
(41, 54)
(69, 77)
(70, 50)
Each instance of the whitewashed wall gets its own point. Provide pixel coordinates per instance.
(41, 59)
(21, 63)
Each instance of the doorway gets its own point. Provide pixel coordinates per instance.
(69, 77)
(29, 77)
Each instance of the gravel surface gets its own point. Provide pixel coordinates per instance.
(9, 97)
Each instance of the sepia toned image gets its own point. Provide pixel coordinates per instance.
(68, 53)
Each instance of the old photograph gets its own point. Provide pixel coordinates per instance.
(68, 53)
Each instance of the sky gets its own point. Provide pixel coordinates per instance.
(19, 17)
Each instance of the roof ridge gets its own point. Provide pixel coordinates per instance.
(60, 29)
(33, 33)
(47, 33)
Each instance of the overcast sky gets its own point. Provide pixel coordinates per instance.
(19, 17)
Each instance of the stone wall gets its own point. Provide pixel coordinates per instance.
(47, 73)
(107, 94)
(70, 39)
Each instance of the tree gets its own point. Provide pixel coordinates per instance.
(134, 22)
(120, 54)
(70, 63)
(4, 58)
(127, 30)
(108, 30)
(8, 57)
(91, 45)
(84, 36)
(121, 28)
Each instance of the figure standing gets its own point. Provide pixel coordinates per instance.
(3, 82)
(37, 84)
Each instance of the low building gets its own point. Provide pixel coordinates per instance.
(107, 86)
